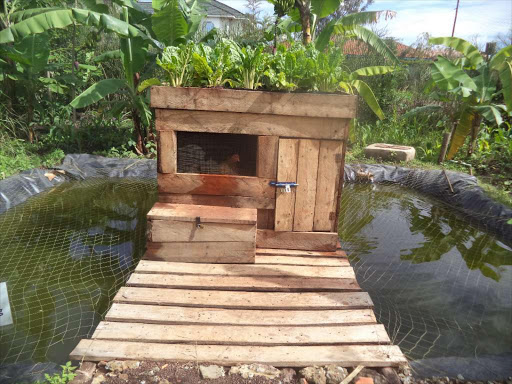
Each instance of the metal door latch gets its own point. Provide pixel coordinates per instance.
(287, 185)
(198, 222)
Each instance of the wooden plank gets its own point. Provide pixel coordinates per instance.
(244, 300)
(154, 314)
(242, 335)
(286, 172)
(208, 214)
(328, 181)
(224, 201)
(171, 231)
(279, 103)
(251, 124)
(277, 356)
(305, 196)
(167, 152)
(290, 260)
(200, 184)
(312, 241)
(299, 253)
(266, 218)
(342, 175)
(148, 266)
(237, 283)
(201, 252)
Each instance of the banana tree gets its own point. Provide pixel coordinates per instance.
(281, 8)
(477, 96)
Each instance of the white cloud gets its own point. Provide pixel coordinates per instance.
(484, 18)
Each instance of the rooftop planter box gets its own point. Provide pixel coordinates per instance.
(228, 147)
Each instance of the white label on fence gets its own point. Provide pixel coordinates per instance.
(5, 308)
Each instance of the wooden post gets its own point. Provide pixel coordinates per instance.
(444, 147)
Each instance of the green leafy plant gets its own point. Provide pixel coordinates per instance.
(213, 67)
(64, 377)
(177, 63)
(251, 67)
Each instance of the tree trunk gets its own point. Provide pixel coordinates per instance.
(275, 35)
(475, 128)
(137, 124)
(305, 18)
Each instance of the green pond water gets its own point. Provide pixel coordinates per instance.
(442, 287)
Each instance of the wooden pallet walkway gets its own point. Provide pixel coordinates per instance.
(289, 309)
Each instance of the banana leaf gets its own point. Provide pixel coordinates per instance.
(448, 76)
(372, 71)
(169, 24)
(469, 51)
(461, 132)
(367, 94)
(323, 8)
(97, 91)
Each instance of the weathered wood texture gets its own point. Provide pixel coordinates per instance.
(202, 252)
(317, 241)
(224, 185)
(241, 283)
(167, 152)
(251, 124)
(207, 214)
(328, 183)
(244, 299)
(224, 201)
(286, 172)
(175, 268)
(155, 314)
(257, 102)
(266, 166)
(242, 335)
(299, 253)
(278, 356)
(307, 169)
(164, 231)
(290, 260)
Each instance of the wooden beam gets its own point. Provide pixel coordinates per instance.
(328, 183)
(167, 152)
(309, 241)
(243, 299)
(208, 214)
(224, 201)
(299, 253)
(251, 124)
(286, 172)
(242, 335)
(201, 252)
(236, 283)
(168, 231)
(224, 185)
(279, 103)
(290, 260)
(266, 166)
(175, 268)
(277, 356)
(154, 314)
(305, 196)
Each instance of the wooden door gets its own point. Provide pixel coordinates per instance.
(315, 165)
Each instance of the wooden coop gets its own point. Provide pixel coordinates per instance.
(244, 169)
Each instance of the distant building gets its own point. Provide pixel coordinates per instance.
(219, 15)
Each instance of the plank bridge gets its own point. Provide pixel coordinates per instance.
(290, 308)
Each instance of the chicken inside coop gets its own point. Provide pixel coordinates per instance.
(217, 153)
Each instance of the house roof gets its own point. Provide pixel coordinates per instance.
(213, 8)
(360, 48)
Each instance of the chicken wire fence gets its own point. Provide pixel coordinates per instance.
(64, 254)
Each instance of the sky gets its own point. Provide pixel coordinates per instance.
(482, 18)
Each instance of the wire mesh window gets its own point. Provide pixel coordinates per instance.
(217, 153)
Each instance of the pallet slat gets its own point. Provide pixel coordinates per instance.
(299, 253)
(224, 201)
(236, 283)
(286, 172)
(154, 314)
(307, 170)
(313, 261)
(278, 356)
(318, 241)
(242, 335)
(244, 300)
(307, 272)
(208, 214)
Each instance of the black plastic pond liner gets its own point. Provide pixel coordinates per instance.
(467, 197)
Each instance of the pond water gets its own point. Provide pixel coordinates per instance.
(441, 286)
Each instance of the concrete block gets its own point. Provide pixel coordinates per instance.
(390, 152)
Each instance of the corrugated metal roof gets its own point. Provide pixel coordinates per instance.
(213, 8)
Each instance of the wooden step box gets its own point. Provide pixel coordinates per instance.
(201, 234)
(222, 147)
